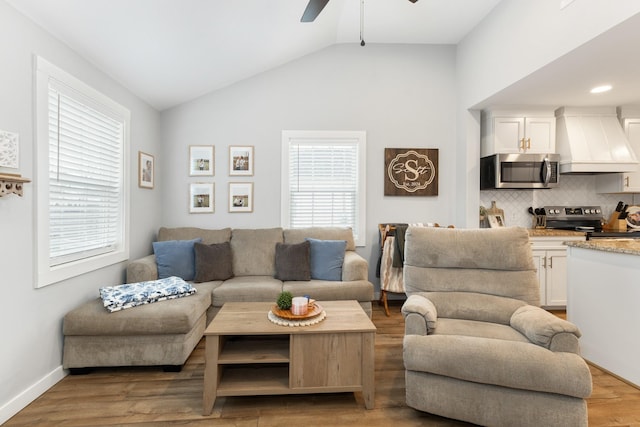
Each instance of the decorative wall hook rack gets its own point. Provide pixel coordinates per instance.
(11, 184)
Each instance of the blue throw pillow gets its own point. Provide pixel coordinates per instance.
(176, 258)
(327, 257)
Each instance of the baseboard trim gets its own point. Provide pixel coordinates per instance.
(19, 402)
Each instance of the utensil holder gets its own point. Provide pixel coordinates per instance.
(539, 221)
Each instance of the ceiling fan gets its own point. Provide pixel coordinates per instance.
(314, 7)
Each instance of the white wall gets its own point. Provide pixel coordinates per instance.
(31, 319)
(401, 95)
(518, 38)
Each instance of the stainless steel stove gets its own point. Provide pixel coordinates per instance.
(583, 218)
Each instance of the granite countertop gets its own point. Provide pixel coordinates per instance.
(621, 246)
(550, 232)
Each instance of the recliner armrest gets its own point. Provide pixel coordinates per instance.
(142, 269)
(420, 315)
(545, 329)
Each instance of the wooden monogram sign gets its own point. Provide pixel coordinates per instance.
(410, 172)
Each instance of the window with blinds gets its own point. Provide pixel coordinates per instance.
(85, 178)
(82, 185)
(323, 182)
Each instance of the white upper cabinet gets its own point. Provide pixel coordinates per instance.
(505, 132)
(624, 182)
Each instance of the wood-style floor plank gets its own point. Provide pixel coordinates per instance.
(141, 397)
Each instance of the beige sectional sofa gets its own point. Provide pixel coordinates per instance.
(165, 333)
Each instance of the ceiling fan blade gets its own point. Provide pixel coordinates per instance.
(314, 7)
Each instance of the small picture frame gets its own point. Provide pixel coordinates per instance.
(201, 160)
(146, 170)
(495, 220)
(201, 197)
(241, 160)
(241, 197)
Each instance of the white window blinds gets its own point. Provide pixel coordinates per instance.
(323, 183)
(82, 163)
(85, 177)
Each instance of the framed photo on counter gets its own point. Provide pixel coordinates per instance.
(495, 220)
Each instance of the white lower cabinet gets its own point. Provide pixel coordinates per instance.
(550, 259)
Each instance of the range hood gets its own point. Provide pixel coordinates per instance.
(591, 140)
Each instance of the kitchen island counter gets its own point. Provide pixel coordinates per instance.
(604, 302)
(622, 246)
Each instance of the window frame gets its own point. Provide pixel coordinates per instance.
(331, 137)
(46, 274)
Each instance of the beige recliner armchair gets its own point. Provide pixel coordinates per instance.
(477, 347)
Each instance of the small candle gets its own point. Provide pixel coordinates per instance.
(299, 306)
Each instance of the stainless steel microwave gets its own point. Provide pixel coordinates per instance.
(519, 171)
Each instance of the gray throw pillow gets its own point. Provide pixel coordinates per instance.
(213, 262)
(293, 261)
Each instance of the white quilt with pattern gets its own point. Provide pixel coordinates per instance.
(116, 298)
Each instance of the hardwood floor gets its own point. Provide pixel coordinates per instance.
(150, 397)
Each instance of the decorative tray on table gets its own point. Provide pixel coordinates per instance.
(315, 314)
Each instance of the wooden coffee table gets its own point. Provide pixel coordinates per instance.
(248, 355)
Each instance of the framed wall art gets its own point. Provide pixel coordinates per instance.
(146, 170)
(241, 160)
(411, 172)
(201, 160)
(241, 197)
(201, 197)
(9, 146)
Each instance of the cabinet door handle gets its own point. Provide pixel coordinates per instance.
(550, 262)
(544, 262)
(626, 181)
(528, 143)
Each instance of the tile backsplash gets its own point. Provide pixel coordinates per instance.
(573, 190)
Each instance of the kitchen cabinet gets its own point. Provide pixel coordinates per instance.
(550, 260)
(624, 182)
(511, 132)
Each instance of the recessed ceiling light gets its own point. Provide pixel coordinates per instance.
(600, 89)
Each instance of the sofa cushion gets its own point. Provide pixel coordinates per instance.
(208, 236)
(297, 235)
(213, 262)
(324, 290)
(247, 288)
(254, 251)
(177, 316)
(176, 258)
(293, 261)
(327, 257)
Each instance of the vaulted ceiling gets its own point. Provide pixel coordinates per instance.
(170, 51)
